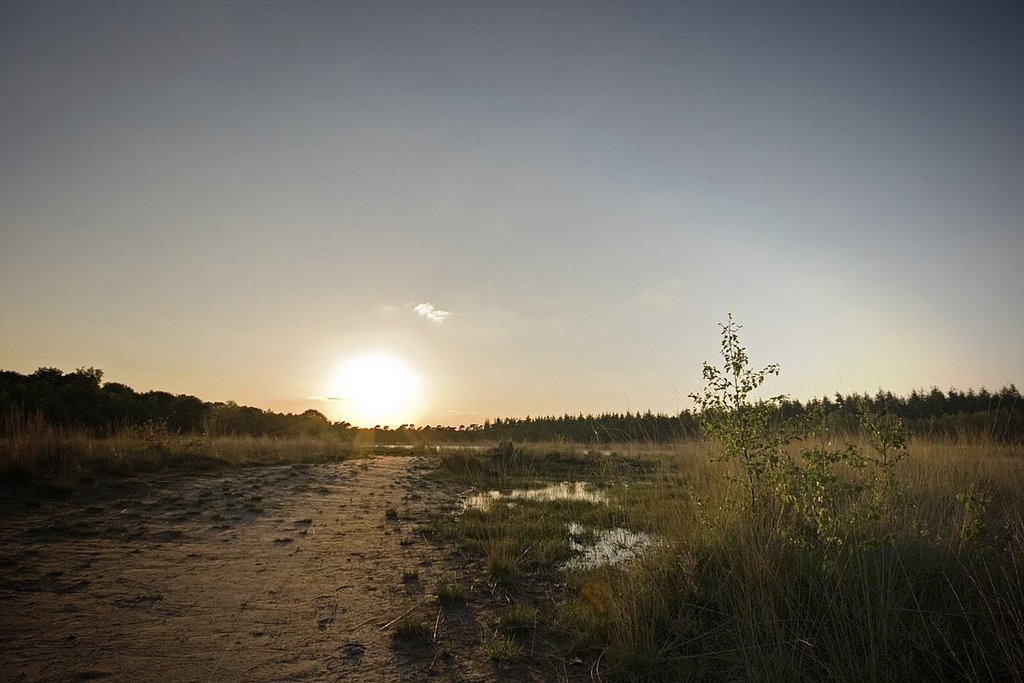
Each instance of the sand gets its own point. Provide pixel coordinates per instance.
(260, 574)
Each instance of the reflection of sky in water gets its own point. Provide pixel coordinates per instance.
(593, 547)
(610, 546)
(563, 491)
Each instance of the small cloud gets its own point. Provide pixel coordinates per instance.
(659, 299)
(430, 312)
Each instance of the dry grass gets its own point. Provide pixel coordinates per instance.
(35, 453)
(932, 588)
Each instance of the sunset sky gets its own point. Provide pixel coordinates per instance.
(534, 207)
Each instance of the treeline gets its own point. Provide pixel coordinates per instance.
(935, 414)
(81, 400)
(932, 413)
(603, 428)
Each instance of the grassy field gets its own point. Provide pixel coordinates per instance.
(34, 453)
(823, 575)
(927, 586)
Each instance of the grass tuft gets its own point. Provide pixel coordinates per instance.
(411, 630)
(502, 650)
(449, 593)
(519, 617)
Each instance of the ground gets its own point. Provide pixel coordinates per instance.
(290, 573)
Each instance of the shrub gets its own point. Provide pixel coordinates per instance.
(826, 495)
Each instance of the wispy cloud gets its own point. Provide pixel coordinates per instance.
(659, 299)
(431, 312)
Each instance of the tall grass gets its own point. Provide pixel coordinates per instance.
(935, 591)
(930, 587)
(509, 464)
(34, 452)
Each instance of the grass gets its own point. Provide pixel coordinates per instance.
(930, 589)
(500, 649)
(449, 593)
(509, 466)
(519, 617)
(411, 630)
(33, 453)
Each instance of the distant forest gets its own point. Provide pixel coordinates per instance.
(81, 400)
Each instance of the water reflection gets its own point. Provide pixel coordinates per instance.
(604, 546)
(563, 491)
(593, 547)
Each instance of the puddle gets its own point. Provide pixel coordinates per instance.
(593, 547)
(610, 546)
(564, 491)
(404, 447)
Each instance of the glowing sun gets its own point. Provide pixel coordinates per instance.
(376, 389)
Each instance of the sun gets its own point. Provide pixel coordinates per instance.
(376, 388)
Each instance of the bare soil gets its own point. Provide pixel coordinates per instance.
(287, 573)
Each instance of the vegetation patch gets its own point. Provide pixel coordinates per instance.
(411, 630)
(787, 549)
(449, 593)
(502, 650)
(860, 538)
(519, 618)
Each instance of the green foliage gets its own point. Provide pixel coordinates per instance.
(822, 503)
(974, 529)
(888, 438)
(824, 497)
(746, 430)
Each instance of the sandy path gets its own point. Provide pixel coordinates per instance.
(262, 574)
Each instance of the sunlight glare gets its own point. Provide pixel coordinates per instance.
(376, 389)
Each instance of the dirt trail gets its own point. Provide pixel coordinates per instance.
(262, 574)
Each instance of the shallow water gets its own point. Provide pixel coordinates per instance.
(593, 547)
(563, 491)
(611, 546)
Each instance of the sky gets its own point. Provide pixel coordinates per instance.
(491, 209)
